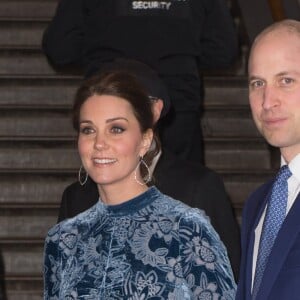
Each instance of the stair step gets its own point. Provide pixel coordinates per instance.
(35, 124)
(23, 294)
(24, 62)
(24, 156)
(237, 155)
(230, 92)
(26, 223)
(19, 290)
(228, 124)
(219, 154)
(21, 33)
(51, 93)
(57, 124)
(43, 92)
(23, 263)
(27, 8)
(56, 90)
(23, 259)
(29, 189)
(44, 190)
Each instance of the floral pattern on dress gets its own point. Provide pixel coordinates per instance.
(140, 246)
(149, 248)
(144, 286)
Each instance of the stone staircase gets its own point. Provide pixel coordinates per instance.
(38, 156)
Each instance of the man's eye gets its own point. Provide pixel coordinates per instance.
(287, 80)
(117, 129)
(256, 84)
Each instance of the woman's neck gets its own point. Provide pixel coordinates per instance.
(111, 195)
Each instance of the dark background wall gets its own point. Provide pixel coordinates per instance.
(258, 14)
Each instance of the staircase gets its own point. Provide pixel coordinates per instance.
(38, 156)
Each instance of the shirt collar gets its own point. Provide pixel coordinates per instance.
(294, 165)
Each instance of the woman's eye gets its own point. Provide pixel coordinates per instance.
(117, 129)
(86, 130)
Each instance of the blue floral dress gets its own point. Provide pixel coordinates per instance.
(150, 247)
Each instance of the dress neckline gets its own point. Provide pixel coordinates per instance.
(131, 206)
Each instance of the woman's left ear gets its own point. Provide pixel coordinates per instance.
(147, 140)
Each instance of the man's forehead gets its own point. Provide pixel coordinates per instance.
(276, 44)
(277, 35)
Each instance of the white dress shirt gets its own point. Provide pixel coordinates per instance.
(293, 190)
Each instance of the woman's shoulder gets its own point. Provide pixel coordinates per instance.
(188, 218)
(84, 220)
(178, 205)
(179, 209)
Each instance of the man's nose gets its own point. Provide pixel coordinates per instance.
(270, 97)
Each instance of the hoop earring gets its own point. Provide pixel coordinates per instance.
(146, 178)
(80, 177)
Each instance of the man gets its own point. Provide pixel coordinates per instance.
(193, 184)
(271, 218)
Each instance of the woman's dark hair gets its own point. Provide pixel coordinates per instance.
(123, 85)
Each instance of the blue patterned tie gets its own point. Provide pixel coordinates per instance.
(274, 218)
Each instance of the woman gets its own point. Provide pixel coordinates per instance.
(135, 243)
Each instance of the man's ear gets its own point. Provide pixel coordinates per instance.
(157, 107)
(146, 143)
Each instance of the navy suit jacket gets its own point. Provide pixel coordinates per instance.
(190, 183)
(281, 280)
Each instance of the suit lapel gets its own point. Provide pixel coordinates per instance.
(252, 213)
(283, 243)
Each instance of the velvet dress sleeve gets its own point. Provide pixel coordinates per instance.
(52, 265)
(63, 39)
(217, 206)
(205, 264)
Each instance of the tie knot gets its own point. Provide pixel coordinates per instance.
(284, 174)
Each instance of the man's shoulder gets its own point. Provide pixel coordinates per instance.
(182, 169)
(73, 187)
(192, 183)
(77, 198)
(76, 189)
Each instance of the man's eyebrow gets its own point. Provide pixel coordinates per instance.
(285, 73)
(253, 77)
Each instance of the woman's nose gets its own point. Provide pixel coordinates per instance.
(100, 143)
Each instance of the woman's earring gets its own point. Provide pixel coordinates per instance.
(147, 177)
(82, 178)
